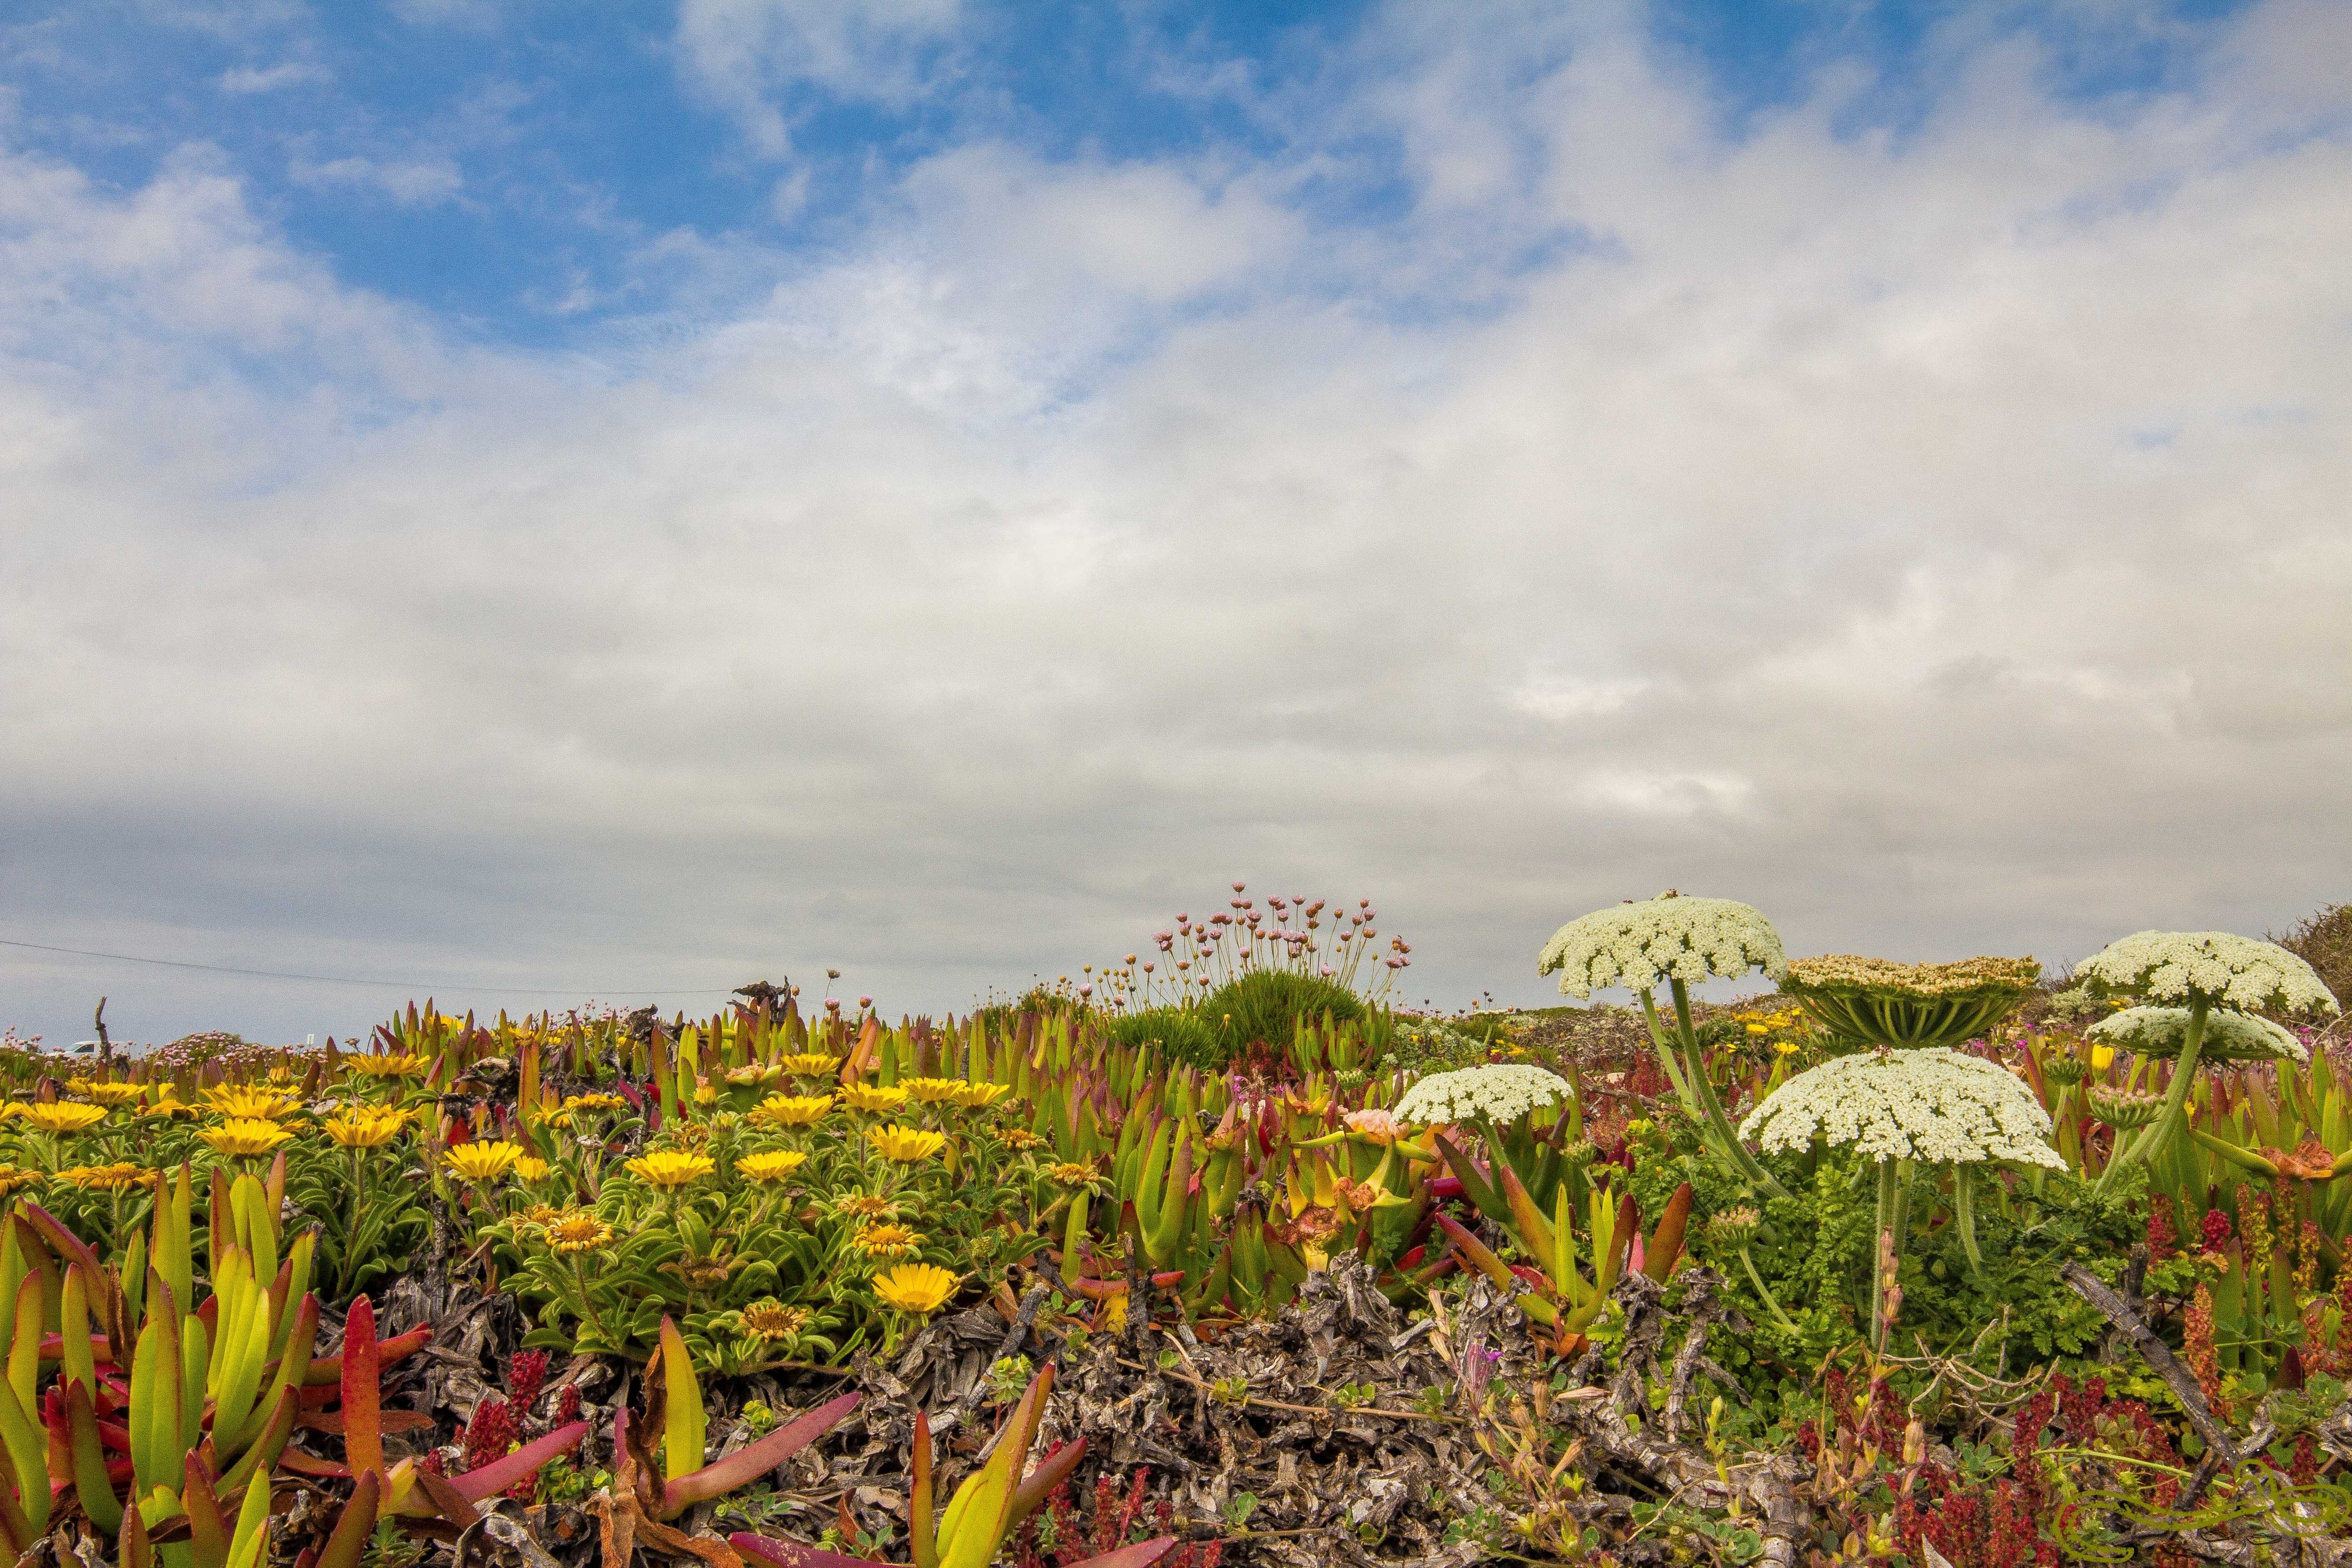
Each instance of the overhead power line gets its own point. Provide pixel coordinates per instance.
(388, 984)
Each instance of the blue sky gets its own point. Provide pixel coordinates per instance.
(541, 501)
(514, 168)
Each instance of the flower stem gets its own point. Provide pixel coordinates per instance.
(1709, 1106)
(1886, 1247)
(1764, 1290)
(2184, 1072)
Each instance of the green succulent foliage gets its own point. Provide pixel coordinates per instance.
(370, 1225)
(1183, 1032)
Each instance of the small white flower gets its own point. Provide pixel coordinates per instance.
(2228, 1036)
(1500, 1093)
(2179, 966)
(1642, 947)
(1934, 1104)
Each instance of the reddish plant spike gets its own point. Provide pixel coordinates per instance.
(363, 1439)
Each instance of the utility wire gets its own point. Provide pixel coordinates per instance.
(390, 984)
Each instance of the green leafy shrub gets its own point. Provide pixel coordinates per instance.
(1266, 1004)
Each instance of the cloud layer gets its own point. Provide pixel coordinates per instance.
(1933, 533)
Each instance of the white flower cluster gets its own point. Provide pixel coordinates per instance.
(1934, 1103)
(1504, 1093)
(2228, 971)
(1641, 946)
(2228, 1036)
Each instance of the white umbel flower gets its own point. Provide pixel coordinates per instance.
(1641, 946)
(1500, 1093)
(1934, 1103)
(2227, 971)
(2228, 1036)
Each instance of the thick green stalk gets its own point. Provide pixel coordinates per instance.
(1964, 1215)
(2184, 1073)
(1704, 1092)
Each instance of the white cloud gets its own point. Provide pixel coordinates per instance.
(415, 183)
(245, 80)
(750, 56)
(1083, 533)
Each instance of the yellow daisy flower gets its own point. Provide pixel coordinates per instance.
(887, 1241)
(530, 1168)
(107, 1178)
(772, 1165)
(594, 1102)
(792, 1110)
(980, 1096)
(670, 1168)
(809, 1065)
(916, 1288)
(482, 1162)
(906, 1144)
(244, 1136)
(866, 1206)
(170, 1108)
(15, 1179)
(389, 1065)
(871, 1097)
(930, 1090)
(238, 1101)
(65, 1118)
(103, 1093)
(360, 1127)
(579, 1233)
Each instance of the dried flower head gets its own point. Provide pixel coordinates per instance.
(1020, 1138)
(1933, 1103)
(773, 1322)
(906, 1145)
(1734, 1226)
(770, 1165)
(244, 1136)
(916, 1288)
(864, 1206)
(792, 1110)
(483, 1160)
(753, 1075)
(2178, 967)
(1640, 946)
(671, 1168)
(1073, 1173)
(2228, 1036)
(1499, 1093)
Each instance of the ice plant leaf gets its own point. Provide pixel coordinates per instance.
(1051, 1472)
(1141, 1554)
(488, 1481)
(1667, 1243)
(793, 1554)
(353, 1528)
(684, 1426)
(91, 1483)
(922, 1529)
(362, 1435)
(1481, 1257)
(753, 1460)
